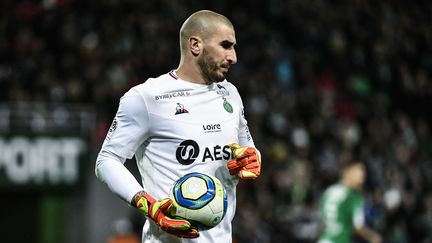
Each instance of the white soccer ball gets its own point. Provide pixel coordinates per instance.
(199, 198)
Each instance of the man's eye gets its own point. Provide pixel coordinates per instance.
(227, 45)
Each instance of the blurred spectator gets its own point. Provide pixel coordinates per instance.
(122, 232)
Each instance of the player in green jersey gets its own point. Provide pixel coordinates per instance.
(341, 208)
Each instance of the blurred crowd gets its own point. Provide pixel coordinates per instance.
(322, 81)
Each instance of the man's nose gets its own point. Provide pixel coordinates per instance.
(232, 57)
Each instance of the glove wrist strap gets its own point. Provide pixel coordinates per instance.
(141, 201)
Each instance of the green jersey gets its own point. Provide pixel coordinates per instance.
(341, 211)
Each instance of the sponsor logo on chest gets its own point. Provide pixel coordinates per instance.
(212, 128)
(222, 91)
(188, 152)
(172, 95)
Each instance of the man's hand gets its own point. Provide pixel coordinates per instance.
(159, 212)
(246, 163)
(369, 234)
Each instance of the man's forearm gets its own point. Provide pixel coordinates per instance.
(110, 170)
(369, 235)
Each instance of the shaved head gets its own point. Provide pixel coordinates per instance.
(201, 24)
(207, 47)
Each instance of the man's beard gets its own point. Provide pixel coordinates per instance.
(209, 69)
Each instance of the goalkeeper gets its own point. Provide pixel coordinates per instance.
(190, 119)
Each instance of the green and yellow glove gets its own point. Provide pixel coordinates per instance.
(246, 163)
(159, 212)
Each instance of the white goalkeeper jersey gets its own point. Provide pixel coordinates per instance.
(174, 127)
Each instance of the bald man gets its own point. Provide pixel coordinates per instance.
(190, 119)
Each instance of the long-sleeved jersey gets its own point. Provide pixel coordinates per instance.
(174, 127)
(342, 211)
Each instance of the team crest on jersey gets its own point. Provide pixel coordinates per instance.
(180, 109)
(228, 107)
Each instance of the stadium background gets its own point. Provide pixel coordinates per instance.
(322, 82)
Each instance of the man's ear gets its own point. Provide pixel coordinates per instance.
(195, 45)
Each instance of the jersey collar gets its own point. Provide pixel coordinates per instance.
(173, 74)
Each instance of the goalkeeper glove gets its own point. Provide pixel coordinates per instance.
(159, 212)
(246, 163)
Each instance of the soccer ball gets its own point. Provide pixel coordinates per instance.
(199, 198)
